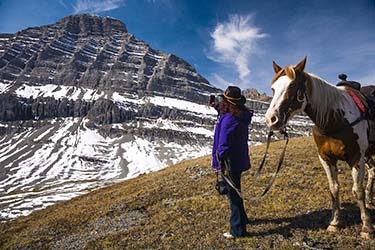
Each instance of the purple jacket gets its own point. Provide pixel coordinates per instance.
(230, 141)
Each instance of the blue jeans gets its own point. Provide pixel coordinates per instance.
(238, 217)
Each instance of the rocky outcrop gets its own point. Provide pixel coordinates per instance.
(106, 112)
(255, 95)
(13, 108)
(101, 111)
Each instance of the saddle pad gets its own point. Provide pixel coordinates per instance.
(360, 102)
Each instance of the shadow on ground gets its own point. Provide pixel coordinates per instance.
(316, 220)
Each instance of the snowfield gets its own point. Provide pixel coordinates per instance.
(66, 159)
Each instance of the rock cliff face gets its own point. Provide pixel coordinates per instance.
(14, 108)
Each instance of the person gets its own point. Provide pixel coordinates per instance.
(230, 153)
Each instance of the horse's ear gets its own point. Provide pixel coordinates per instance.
(301, 65)
(276, 67)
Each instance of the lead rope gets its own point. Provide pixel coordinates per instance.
(257, 174)
(230, 182)
(282, 156)
(270, 134)
(227, 179)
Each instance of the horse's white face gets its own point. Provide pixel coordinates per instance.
(275, 118)
(289, 96)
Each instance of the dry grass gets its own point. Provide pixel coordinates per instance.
(178, 208)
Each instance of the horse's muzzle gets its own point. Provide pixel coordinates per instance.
(274, 121)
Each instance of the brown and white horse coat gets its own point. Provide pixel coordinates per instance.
(333, 111)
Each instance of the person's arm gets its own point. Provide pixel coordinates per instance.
(228, 127)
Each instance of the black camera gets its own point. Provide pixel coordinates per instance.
(221, 187)
(215, 99)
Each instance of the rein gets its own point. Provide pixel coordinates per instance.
(280, 163)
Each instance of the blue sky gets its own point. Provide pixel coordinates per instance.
(233, 41)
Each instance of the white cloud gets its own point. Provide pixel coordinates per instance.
(234, 42)
(96, 6)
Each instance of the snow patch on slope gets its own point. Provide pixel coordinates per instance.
(66, 158)
(4, 87)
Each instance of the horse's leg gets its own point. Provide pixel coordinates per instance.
(370, 181)
(358, 173)
(331, 171)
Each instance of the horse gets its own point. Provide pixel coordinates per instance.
(340, 132)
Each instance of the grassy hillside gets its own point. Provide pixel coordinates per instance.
(178, 208)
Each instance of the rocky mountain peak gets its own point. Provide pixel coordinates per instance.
(88, 24)
(96, 53)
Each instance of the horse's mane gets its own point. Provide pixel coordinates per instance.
(324, 98)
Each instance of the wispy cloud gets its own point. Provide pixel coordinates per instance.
(234, 42)
(62, 2)
(96, 6)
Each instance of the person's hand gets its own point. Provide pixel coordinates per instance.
(211, 101)
(222, 164)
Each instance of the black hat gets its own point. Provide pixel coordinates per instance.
(233, 95)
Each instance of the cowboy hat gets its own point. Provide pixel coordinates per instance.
(233, 95)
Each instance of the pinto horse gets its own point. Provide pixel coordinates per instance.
(339, 132)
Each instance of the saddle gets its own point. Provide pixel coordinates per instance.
(369, 93)
(346, 83)
(364, 97)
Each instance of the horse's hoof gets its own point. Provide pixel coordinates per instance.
(332, 228)
(367, 236)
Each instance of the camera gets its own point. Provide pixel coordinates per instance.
(221, 187)
(215, 99)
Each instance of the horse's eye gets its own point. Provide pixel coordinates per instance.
(273, 91)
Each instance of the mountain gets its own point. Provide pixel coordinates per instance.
(255, 95)
(179, 208)
(86, 51)
(83, 103)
